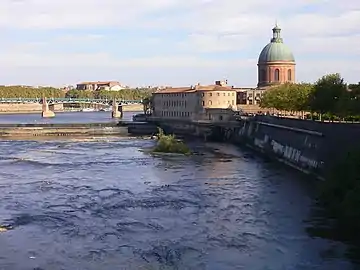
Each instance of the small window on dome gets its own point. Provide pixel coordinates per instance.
(277, 75)
(289, 75)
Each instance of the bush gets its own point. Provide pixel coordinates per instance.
(169, 144)
(340, 193)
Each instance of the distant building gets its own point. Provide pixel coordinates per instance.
(249, 96)
(211, 102)
(99, 85)
(276, 65)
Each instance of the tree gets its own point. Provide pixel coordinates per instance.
(273, 98)
(289, 97)
(79, 94)
(148, 104)
(328, 91)
(17, 91)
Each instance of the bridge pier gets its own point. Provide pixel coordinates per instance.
(116, 113)
(46, 112)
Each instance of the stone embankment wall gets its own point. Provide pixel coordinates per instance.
(310, 146)
(27, 108)
(133, 108)
(31, 107)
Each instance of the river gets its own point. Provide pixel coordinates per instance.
(107, 204)
(62, 117)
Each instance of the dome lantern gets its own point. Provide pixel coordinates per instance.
(276, 34)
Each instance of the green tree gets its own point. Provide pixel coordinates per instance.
(273, 98)
(289, 97)
(327, 95)
(79, 94)
(16, 91)
(354, 103)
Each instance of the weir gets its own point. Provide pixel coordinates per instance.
(121, 128)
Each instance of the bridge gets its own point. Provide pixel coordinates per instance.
(51, 101)
(49, 104)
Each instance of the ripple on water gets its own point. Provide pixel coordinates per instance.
(105, 204)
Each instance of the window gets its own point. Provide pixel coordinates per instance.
(218, 94)
(210, 102)
(210, 94)
(203, 103)
(277, 75)
(232, 102)
(289, 75)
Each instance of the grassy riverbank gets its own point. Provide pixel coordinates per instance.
(169, 144)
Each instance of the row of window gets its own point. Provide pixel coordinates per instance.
(174, 103)
(175, 114)
(182, 103)
(218, 94)
(276, 75)
(232, 102)
(175, 95)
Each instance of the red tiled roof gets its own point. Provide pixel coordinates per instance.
(100, 82)
(195, 88)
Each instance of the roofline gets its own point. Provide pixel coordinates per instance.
(290, 62)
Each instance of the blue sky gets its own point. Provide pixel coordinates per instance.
(172, 42)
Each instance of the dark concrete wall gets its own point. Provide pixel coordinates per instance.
(310, 146)
(304, 140)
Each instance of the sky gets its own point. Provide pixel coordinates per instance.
(172, 42)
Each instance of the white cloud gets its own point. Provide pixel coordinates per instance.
(45, 14)
(102, 59)
(314, 29)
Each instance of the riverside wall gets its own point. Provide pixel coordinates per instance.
(309, 146)
(17, 108)
(27, 107)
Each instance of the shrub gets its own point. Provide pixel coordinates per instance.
(169, 144)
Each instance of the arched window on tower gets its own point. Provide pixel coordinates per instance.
(289, 75)
(263, 75)
(277, 75)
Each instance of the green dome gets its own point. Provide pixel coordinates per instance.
(276, 50)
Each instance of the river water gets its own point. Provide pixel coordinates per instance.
(107, 204)
(63, 117)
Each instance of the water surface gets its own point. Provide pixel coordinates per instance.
(63, 117)
(105, 204)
